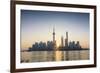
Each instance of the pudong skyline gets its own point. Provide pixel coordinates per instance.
(51, 45)
(37, 26)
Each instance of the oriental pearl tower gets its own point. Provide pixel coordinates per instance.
(54, 41)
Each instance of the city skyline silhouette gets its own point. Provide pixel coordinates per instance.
(37, 26)
(51, 45)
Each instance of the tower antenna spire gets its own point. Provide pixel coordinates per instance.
(53, 28)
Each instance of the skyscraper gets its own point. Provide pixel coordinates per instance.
(54, 41)
(66, 40)
(62, 42)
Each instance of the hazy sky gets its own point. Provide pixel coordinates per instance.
(38, 26)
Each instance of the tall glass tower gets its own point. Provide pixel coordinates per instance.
(66, 40)
(62, 43)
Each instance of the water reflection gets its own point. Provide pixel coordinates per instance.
(43, 56)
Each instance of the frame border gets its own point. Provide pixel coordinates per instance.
(13, 35)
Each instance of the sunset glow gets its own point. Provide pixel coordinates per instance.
(38, 26)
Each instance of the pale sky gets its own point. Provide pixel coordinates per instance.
(38, 26)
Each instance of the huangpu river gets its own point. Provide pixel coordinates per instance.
(46, 56)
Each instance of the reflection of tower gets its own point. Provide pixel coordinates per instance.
(66, 40)
(62, 43)
(54, 41)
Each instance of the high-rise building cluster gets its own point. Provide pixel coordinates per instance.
(42, 46)
(69, 45)
(51, 45)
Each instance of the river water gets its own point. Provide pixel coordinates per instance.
(46, 56)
